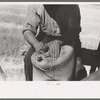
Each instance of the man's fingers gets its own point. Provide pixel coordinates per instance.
(51, 52)
(56, 53)
(54, 50)
(42, 47)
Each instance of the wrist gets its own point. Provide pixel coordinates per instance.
(35, 43)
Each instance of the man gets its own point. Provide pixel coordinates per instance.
(45, 23)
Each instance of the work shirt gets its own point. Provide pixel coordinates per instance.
(55, 20)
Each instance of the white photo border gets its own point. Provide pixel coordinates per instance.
(53, 89)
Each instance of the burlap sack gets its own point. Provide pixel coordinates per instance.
(46, 68)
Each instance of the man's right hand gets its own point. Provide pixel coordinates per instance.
(40, 47)
(30, 38)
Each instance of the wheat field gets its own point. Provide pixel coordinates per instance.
(12, 19)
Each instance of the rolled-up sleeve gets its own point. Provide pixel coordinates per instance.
(32, 19)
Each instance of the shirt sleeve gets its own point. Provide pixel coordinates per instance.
(71, 35)
(32, 20)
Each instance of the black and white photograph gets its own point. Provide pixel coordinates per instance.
(49, 42)
(49, 50)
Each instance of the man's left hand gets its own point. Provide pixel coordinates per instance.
(54, 48)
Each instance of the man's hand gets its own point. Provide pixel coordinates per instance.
(54, 48)
(31, 39)
(40, 47)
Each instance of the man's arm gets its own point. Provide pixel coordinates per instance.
(30, 38)
(30, 29)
